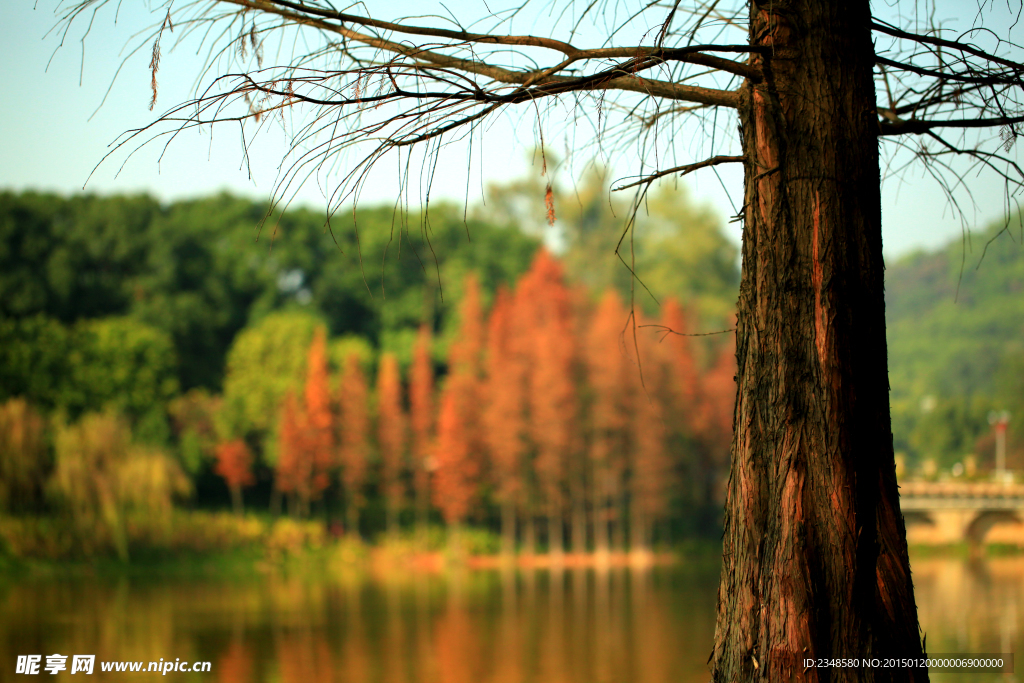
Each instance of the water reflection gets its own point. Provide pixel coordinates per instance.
(572, 626)
(512, 627)
(971, 606)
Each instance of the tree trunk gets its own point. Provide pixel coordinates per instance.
(638, 532)
(600, 512)
(579, 523)
(815, 557)
(390, 517)
(508, 528)
(275, 502)
(455, 549)
(422, 493)
(236, 499)
(618, 507)
(352, 519)
(556, 537)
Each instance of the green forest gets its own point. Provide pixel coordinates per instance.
(164, 364)
(955, 320)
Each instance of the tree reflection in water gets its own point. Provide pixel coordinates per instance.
(503, 626)
(971, 606)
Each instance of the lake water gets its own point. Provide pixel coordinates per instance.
(576, 626)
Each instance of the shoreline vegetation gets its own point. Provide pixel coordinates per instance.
(225, 544)
(221, 544)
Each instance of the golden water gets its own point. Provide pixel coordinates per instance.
(577, 626)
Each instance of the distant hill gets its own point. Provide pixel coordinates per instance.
(956, 343)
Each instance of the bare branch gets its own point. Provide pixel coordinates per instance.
(952, 44)
(666, 331)
(622, 77)
(918, 126)
(683, 170)
(996, 78)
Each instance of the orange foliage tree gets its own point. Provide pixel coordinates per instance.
(355, 423)
(552, 397)
(391, 436)
(455, 475)
(234, 466)
(459, 435)
(294, 472)
(465, 361)
(306, 455)
(608, 378)
(650, 465)
(421, 417)
(467, 349)
(685, 385)
(687, 411)
(319, 415)
(503, 421)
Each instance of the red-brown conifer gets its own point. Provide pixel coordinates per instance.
(607, 374)
(294, 467)
(421, 418)
(685, 385)
(720, 396)
(391, 436)
(467, 349)
(234, 465)
(503, 419)
(552, 392)
(459, 432)
(354, 438)
(456, 473)
(651, 474)
(319, 416)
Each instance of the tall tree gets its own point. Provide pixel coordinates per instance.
(815, 561)
(421, 419)
(651, 469)
(504, 403)
(355, 432)
(466, 352)
(455, 476)
(459, 435)
(306, 439)
(608, 378)
(683, 365)
(234, 466)
(320, 421)
(552, 392)
(391, 437)
(294, 469)
(691, 416)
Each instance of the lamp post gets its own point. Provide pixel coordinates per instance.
(999, 420)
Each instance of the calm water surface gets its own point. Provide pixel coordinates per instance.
(577, 626)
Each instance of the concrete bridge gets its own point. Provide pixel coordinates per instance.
(940, 513)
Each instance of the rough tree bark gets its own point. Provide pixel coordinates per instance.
(815, 555)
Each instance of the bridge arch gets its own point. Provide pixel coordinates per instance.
(976, 530)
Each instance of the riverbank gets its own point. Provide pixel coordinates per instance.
(195, 543)
(191, 543)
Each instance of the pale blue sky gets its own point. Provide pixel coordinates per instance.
(49, 142)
